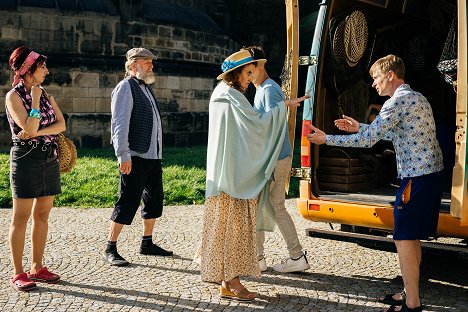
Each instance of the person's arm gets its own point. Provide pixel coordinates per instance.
(347, 124)
(271, 98)
(121, 111)
(296, 102)
(319, 137)
(368, 135)
(19, 114)
(59, 125)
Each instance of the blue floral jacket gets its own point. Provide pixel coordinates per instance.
(405, 119)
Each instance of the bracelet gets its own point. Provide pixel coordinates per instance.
(34, 113)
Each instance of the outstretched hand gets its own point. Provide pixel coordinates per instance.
(347, 124)
(293, 103)
(317, 136)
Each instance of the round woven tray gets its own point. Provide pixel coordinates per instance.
(338, 43)
(66, 153)
(355, 37)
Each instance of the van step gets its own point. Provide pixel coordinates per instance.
(387, 244)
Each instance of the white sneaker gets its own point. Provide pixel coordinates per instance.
(290, 265)
(262, 265)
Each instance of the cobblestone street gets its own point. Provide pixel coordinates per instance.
(343, 276)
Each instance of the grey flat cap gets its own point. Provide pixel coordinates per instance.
(140, 53)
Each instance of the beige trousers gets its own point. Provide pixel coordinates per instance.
(282, 217)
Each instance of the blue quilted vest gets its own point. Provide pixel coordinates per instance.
(141, 120)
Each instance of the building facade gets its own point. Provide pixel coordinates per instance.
(86, 41)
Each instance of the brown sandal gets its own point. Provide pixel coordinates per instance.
(233, 294)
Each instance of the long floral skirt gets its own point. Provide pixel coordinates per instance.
(228, 245)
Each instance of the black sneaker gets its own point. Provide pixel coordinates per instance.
(155, 250)
(114, 259)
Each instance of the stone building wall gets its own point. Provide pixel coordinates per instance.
(86, 48)
(86, 60)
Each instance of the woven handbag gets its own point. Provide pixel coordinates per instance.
(66, 153)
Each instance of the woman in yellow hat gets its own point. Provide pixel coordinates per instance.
(242, 152)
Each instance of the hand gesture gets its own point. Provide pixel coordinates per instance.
(317, 136)
(125, 167)
(293, 103)
(347, 124)
(36, 92)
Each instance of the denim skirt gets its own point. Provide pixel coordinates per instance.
(34, 170)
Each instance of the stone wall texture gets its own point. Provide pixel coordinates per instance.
(86, 42)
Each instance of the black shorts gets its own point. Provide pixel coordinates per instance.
(143, 183)
(34, 170)
(417, 205)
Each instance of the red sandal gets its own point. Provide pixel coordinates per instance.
(21, 282)
(43, 275)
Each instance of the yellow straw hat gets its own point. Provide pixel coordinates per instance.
(237, 60)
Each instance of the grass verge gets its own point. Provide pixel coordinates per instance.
(94, 180)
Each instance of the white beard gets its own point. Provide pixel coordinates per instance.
(148, 77)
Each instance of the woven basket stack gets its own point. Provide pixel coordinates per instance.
(350, 39)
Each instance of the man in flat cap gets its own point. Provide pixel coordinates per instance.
(136, 134)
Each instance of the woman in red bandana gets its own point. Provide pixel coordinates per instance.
(35, 120)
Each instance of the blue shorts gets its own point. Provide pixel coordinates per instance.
(417, 205)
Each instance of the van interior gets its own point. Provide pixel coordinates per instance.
(422, 33)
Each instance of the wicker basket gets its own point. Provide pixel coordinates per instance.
(66, 153)
(355, 37)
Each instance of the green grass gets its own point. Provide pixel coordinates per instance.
(5, 194)
(94, 180)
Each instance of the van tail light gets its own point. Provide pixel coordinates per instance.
(305, 144)
(314, 207)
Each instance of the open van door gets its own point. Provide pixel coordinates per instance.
(289, 74)
(459, 206)
(316, 20)
(335, 186)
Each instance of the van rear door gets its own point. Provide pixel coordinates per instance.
(459, 205)
(320, 19)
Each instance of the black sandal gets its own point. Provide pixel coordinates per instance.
(405, 308)
(388, 299)
(392, 309)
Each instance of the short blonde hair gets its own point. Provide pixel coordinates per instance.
(389, 63)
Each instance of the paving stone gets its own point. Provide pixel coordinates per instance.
(343, 276)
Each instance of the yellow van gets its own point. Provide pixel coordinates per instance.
(331, 45)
